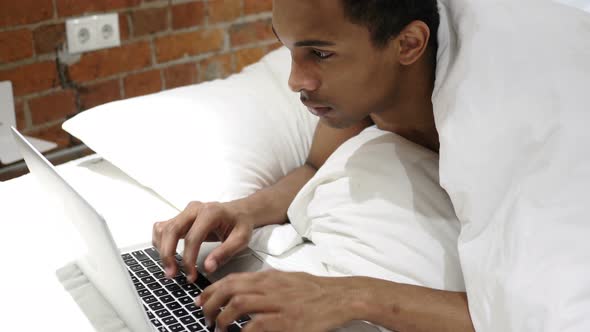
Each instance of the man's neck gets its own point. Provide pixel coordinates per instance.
(411, 114)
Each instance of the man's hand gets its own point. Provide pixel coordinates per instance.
(282, 301)
(200, 222)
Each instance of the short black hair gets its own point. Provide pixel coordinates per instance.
(385, 19)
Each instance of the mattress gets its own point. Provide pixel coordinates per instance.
(41, 284)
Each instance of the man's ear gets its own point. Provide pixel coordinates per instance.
(413, 42)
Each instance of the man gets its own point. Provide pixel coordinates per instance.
(355, 63)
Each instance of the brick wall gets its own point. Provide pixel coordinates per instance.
(164, 44)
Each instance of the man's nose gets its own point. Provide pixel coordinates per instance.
(301, 79)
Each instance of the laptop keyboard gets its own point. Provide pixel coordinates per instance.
(169, 303)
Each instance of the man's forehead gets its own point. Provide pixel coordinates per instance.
(308, 19)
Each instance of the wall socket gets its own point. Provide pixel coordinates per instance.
(93, 33)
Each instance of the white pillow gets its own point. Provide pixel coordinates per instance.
(215, 141)
(512, 109)
(375, 208)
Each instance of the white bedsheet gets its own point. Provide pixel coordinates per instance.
(34, 246)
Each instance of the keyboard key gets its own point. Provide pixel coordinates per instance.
(154, 285)
(202, 282)
(167, 299)
(178, 293)
(134, 279)
(193, 293)
(163, 313)
(189, 287)
(176, 328)
(153, 253)
(139, 286)
(140, 255)
(181, 280)
(157, 275)
(150, 299)
(156, 322)
(173, 287)
(148, 263)
(162, 329)
(155, 269)
(195, 327)
(150, 314)
(156, 306)
(169, 320)
(173, 305)
(142, 274)
(198, 314)
(191, 307)
(185, 300)
(130, 262)
(136, 268)
(126, 256)
(233, 328)
(148, 280)
(180, 312)
(166, 281)
(160, 292)
(178, 257)
(186, 320)
(243, 319)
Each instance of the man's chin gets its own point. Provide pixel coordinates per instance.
(337, 123)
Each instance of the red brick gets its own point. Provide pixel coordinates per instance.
(111, 61)
(49, 37)
(190, 43)
(181, 75)
(16, 45)
(217, 66)
(17, 12)
(123, 26)
(53, 107)
(224, 10)
(188, 15)
(143, 83)
(53, 134)
(31, 78)
(252, 32)
(248, 56)
(21, 118)
(78, 7)
(148, 21)
(257, 6)
(100, 93)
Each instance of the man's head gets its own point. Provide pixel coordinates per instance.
(351, 58)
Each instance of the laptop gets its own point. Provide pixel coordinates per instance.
(132, 279)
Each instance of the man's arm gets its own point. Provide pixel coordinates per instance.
(233, 222)
(269, 205)
(318, 304)
(402, 307)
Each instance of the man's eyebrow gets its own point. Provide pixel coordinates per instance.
(307, 43)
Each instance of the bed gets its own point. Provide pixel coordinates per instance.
(256, 143)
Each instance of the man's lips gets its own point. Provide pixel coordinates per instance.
(318, 110)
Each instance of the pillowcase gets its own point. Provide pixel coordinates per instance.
(511, 106)
(375, 208)
(215, 141)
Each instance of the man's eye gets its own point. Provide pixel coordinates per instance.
(321, 54)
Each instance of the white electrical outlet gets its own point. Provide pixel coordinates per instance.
(93, 33)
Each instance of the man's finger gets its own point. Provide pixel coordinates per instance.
(200, 229)
(219, 294)
(241, 305)
(237, 241)
(265, 322)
